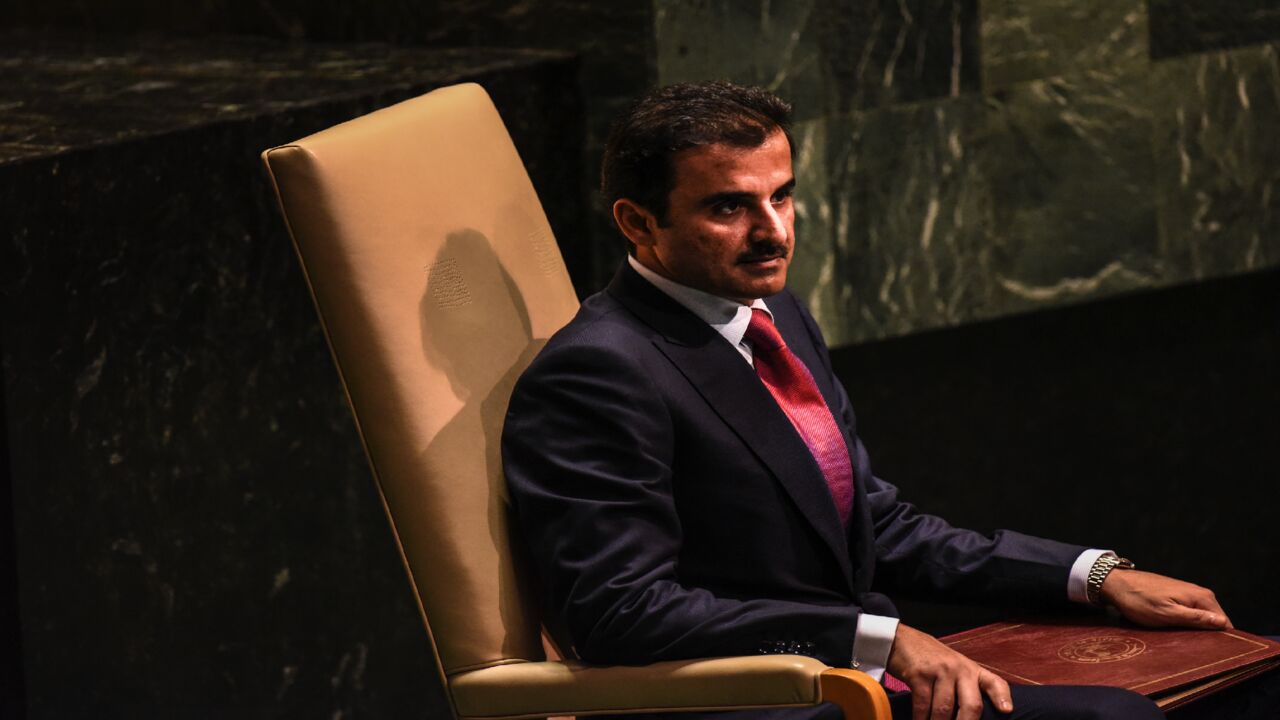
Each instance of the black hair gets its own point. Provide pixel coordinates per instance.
(638, 155)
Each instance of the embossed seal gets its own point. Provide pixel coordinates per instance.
(1106, 648)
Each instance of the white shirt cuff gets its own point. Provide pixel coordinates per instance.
(1078, 580)
(872, 643)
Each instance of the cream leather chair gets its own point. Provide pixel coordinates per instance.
(437, 279)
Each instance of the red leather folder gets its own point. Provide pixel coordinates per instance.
(1173, 667)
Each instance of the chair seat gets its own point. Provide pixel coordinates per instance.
(536, 689)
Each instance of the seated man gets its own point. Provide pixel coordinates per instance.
(687, 470)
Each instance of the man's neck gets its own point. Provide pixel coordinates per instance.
(727, 317)
(690, 297)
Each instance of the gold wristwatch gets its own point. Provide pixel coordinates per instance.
(1102, 567)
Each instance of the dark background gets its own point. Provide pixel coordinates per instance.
(192, 530)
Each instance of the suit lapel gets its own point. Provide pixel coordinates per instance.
(732, 389)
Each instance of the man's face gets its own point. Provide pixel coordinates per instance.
(730, 224)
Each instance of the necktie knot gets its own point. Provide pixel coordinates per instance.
(762, 334)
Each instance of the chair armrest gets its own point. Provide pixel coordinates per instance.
(540, 689)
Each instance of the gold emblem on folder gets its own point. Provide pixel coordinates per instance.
(1107, 648)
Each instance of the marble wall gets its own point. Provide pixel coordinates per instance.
(962, 160)
(197, 531)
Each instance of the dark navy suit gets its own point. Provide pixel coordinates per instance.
(674, 512)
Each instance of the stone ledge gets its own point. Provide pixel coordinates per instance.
(63, 93)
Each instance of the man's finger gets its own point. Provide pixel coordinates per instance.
(921, 700)
(968, 701)
(1195, 618)
(944, 699)
(997, 689)
(1213, 620)
(1219, 616)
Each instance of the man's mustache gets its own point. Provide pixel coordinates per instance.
(760, 253)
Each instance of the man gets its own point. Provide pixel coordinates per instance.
(686, 468)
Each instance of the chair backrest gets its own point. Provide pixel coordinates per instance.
(437, 279)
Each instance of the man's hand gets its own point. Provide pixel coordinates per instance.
(1154, 600)
(944, 683)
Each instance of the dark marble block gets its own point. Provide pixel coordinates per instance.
(615, 41)
(879, 52)
(197, 533)
(1179, 27)
(1024, 41)
(826, 56)
(1217, 170)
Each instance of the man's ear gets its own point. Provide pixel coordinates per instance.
(636, 222)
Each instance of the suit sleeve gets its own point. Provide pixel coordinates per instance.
(924, 556)
(587, 450)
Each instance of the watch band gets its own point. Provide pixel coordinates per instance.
(1102, 567)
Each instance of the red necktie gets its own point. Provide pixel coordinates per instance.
(792, 386)
(797, 394)
(894, 685)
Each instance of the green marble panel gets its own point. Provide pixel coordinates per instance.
(949, 211)
(878, 52)
(1082, 170)
(908, 220)
(826, 56)
(753, 42)
(1218, 170)
(1032, 39)
(813, 264)
(1070, 165)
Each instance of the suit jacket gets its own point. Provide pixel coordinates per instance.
(673, 511)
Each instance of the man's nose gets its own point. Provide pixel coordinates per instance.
(771, 223)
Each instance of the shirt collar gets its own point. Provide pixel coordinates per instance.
(727, 317)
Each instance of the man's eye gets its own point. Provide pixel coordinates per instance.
(727, 208)
(782, 196)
